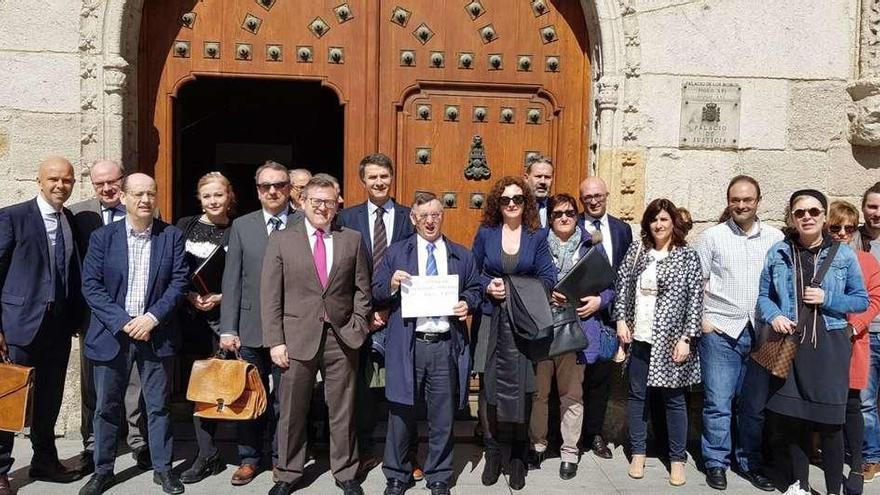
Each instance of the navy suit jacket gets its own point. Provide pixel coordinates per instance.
(621, 238)
(399, 341)
(26, 276)
(105, 284)
(534, 258)
(358, 218)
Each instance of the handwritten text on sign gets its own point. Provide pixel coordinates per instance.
(429, 296)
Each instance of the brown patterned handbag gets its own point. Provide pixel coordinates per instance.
(776, 351)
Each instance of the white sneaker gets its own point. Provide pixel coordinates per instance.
(795, 489)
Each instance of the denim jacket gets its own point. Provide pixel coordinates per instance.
(843, 285)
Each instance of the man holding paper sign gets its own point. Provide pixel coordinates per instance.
(426, 351)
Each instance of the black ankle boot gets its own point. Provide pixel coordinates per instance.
(202, 468)
(492, 469)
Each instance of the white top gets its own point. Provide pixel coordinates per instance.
(267, 217)
(50, 222)
(605, 230)
(328, 242)
(646, 297)
(437, 324)
(387, 219)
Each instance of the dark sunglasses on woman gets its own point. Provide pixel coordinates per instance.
(849, 229)
(518, 200)
(813, 212)
(556, 215)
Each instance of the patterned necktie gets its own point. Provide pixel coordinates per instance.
(597, 237)
(60, 263)
(380, 237)
(431, 269)
(276, 223)
(320, 256)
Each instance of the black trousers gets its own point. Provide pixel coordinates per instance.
(597, 388)
(435, 382)
(48, 353)
(795, 435)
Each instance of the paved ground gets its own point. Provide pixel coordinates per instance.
(595, 476)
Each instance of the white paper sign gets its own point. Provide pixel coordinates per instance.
(428, 296)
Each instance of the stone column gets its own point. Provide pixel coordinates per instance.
(864, 112)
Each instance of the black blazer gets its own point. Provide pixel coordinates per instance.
(358, 218)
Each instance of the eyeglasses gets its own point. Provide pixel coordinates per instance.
(267, 186)
(813, 212)
(556, 215)
(518, 200)
(598, 198)
(434, 215)
(849, 229)
(111, 182)
(743, 201)
(326, 203)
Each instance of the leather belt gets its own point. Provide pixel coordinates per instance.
(432, 337)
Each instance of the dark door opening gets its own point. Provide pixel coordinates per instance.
(233, 125)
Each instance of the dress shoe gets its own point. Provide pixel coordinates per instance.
(536, 459)
(716, 478)
(395, 487)
(243, 475)
(600, 447)
(418, 474)
(169, 481)
(438, 488)
(759, 480)
(281, 488)
(202, 468)
(854, 484)
(637, 467)
(367, 462)
(86, 463)
(568, 470)
(516, 480)
(492, 469)
(98, 484)
(676, 473)
(54, 472)
(5, 489)
(350, 487)
(141, 456)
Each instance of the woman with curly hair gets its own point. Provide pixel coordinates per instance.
(510, 241)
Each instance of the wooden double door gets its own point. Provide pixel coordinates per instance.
(457, 92)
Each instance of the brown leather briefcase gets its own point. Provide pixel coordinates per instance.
(16, 396)
(226, 389)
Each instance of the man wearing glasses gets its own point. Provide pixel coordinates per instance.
(299, 177)
(241, 327)
(732, 256)
(315, 303)
(103, 209)
(616, 236)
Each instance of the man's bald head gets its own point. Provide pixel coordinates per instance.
(106, 176)
(55, 178)
(594, 196)
(139, 196)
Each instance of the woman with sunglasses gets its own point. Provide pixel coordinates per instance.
(843, 223)
(659, 312)
(813, 397)
(510, 241)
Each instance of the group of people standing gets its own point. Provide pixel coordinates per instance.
(309, 291)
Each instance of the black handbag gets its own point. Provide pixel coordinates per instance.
(568, 336)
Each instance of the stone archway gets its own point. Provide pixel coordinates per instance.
(109, 35)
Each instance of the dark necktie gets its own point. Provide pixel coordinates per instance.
(597, 238)
(108, 215)
(60, 264)
(380, 237)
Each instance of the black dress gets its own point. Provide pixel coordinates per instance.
(817, 386)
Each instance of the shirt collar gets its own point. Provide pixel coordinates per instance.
(603, 220)
(45, 207)
(129, 230)
(283, 216)
(310, 229)
(422, 244)
(388, 206)
(756, 228)
(116, 207)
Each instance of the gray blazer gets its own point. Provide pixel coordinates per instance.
(240, 306)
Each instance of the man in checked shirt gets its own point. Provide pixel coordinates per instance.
(732, 256)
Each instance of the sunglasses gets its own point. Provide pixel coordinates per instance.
(556, 215)
(849, 229)
(518, 200)
(267, 186)
(813, 212)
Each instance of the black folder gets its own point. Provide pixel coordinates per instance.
(208, 277)
(588, 277)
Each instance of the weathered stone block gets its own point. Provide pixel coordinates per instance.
(780, 173)
(692, 179)
(37, 26)
(816, 115)
(40, 82)
(852, 170)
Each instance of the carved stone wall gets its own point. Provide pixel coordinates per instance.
(864, 112)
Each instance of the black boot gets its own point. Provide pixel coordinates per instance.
(492, 469)
(202, 468)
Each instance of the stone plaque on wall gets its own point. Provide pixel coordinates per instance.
(709, 115)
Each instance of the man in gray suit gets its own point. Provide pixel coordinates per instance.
(240, 324)
(104, 208)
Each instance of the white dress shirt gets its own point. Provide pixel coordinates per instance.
(118, 213)
(328, 242)
(387, 219)
(50, 222)
(267, 217)
(438, 324)
(605, 230)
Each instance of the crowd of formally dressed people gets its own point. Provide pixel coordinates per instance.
(313, 292)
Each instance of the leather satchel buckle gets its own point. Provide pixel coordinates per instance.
(220, 405)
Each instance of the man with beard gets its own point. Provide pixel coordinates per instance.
(539, 176)
(41, 309)
(732, 256)
(869, 240)
(381, 221)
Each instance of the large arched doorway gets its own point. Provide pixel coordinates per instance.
(416, 79)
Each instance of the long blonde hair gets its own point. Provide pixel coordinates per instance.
(223, 181)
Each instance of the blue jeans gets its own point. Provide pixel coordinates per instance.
(723, 367)
(750, 417)
(871, 445)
